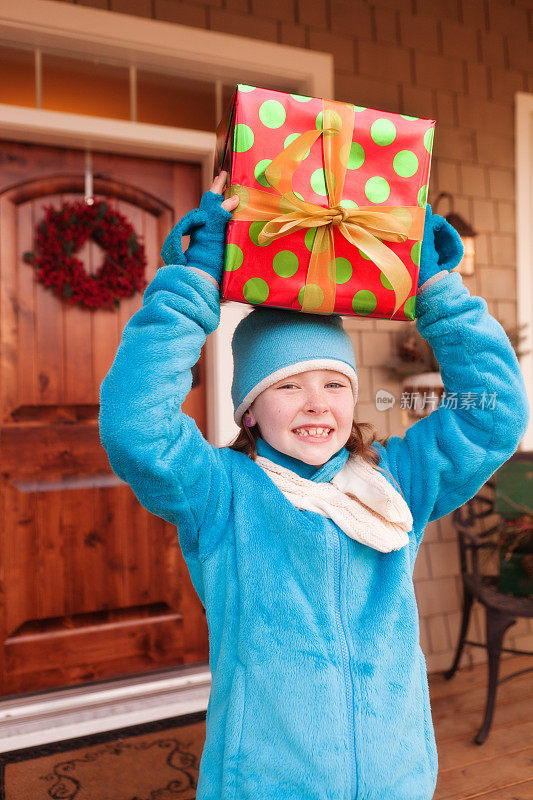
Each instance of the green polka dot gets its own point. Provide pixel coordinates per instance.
(243, 87)
(310, 238)
(234, 257)
(301, 98)
(243, 138)
(259, 172)
(404, 216)
(286, 206)
(272, 114)
(357, 156)
(314, 296)
(344, 154)
(243, 195)
(290, 139)
(255, 291)
(364, 255)
(274, 174)
(406, 116)
(415, 253)
(360, 108)
(343, 270)
(254, 231)
(405, 163)
(332, 179)
(285, 264)
(377, 189)
(383, 132)
(364, 302)
(428, 139)
(409, 307)
(423, 196)
(348, 204)
(318, 182)
(385, 281)
(335, 121)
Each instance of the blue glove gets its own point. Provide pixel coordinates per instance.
(441, 247)
(206, 226)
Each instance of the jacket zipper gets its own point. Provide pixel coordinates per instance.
(348, 683)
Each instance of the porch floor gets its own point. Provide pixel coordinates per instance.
(500, 769)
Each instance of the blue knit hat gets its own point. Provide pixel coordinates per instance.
(270, 344)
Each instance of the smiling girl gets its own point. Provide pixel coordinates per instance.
(301, 537)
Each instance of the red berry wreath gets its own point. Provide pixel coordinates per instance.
(64, 231)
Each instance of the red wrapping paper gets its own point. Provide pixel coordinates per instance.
(388, 166)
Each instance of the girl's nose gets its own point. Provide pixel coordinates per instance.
(316, 403)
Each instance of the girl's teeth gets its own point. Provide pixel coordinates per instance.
(315, 432)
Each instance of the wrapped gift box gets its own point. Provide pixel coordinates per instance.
(332, 203)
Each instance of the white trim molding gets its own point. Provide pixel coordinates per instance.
(80, 711)
(62, 129)
(524, 241)
(192, 52)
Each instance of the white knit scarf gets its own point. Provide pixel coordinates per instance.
(359, 499)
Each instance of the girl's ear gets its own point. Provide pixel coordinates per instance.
(249, 419)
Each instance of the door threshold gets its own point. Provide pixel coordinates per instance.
(52, 716)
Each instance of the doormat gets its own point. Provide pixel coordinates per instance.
(153, 761)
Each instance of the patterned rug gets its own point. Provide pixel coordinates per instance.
(154, 761)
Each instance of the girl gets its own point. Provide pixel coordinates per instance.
(301, 537)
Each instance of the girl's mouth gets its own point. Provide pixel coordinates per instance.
(314, 434)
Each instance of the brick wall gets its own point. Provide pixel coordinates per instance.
(459, 62)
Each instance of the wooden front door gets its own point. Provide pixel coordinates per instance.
(91, 584)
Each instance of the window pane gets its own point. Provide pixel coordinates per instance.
(17, 71)
(172, 100)
(85, 87)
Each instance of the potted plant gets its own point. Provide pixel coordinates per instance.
(415, 365)
(515, 546)
(413, 354)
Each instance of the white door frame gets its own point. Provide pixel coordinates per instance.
(172, 49)
(524, 240)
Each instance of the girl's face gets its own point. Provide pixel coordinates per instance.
(307, 416)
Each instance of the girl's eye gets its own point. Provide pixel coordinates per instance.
(294, 386)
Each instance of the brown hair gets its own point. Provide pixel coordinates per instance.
(360, 441)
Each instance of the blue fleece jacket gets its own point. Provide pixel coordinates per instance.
(319, 687)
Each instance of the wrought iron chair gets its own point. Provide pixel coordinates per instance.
(476, 523)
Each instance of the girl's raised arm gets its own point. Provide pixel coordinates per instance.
(445, 458)
(155, 447)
